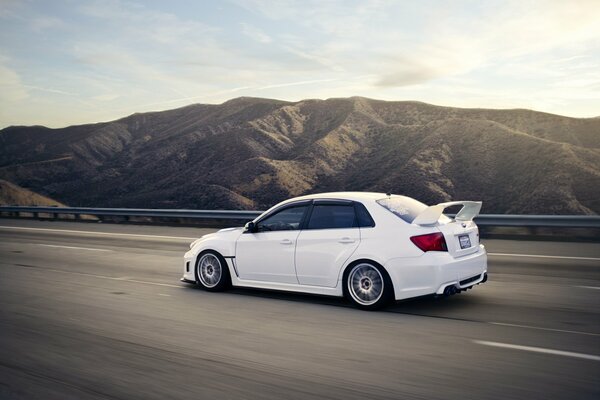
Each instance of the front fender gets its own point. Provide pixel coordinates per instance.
(222, 242)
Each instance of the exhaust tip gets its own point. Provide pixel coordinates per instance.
(450, 290)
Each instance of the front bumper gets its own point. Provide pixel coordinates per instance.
(188, 267)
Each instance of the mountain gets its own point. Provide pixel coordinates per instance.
(11, 194)
(249, 153)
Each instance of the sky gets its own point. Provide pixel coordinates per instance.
(66, 62)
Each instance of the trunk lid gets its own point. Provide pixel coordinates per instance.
(461, 233)
(462, 238)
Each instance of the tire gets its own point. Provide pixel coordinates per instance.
(212, 272)
(367, 285)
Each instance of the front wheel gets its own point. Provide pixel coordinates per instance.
(212, 272)
(368, 286)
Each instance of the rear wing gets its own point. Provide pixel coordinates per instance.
(431, 214)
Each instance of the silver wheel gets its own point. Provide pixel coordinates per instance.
(209, 270)
(365, 284)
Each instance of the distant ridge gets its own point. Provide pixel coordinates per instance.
(251, 152)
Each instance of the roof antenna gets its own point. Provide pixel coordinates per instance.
(389, 194)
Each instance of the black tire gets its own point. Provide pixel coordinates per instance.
(212, 272)
(361, 280)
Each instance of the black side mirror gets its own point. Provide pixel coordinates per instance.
(250, 227)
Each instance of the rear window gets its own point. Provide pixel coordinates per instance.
(403, 207)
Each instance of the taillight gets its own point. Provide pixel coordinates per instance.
(430, 242)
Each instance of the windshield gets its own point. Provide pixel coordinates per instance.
(403, 207)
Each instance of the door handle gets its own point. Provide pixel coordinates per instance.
(286, 241)
(346, 240)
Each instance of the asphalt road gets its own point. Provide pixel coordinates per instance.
(102, 315)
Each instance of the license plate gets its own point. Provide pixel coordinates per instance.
(465, 241)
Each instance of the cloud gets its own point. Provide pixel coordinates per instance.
(11, 87)
(117, 56)
(143, 22)
(408, 72)
(255, 33)
(49, 90)
(287, 84)
(42, 23)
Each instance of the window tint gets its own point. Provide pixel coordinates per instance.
(288, 219)
(330, 216)
(364, 218)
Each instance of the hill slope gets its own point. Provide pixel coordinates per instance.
(13, 195)
(250, 153)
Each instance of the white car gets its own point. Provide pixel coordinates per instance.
(369, 247)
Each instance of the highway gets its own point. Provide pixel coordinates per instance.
(96, 311)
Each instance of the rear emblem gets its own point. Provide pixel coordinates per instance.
(463, 225)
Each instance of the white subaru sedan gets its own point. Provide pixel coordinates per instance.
(371, 248)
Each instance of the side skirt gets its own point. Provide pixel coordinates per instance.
(286, 287)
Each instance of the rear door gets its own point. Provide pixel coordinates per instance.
(329, 238)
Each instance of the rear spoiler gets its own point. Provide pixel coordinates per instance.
(431, 214)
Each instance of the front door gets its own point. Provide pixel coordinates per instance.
(268, 254)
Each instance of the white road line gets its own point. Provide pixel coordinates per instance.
(589, 287)
(543, 256)
(539, 350)
(73, 247)
(112, 278)
(544, 329)
(97, 233)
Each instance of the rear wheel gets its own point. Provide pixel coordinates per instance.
(368, 286)
(212, 272)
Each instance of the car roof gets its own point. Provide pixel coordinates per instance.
(356, 196)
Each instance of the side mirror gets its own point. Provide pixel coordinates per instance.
(250, 227)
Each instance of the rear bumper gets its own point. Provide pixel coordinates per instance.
(464, 284)
(432, 272)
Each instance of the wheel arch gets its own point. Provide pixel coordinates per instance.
(224, 264)
(346, 269)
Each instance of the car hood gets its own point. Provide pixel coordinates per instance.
(220, 233)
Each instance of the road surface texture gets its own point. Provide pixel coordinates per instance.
(96, 311)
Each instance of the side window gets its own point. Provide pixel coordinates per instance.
(288, 219)
(331, 216)
(364, 218)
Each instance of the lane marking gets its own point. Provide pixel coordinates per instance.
(498, 323)
(544, 329)
(72, 247)
(112, 278)
(98, 233)
(194, 238)
(589, 287)
(126, 279)
(543, 256)
(539, 350)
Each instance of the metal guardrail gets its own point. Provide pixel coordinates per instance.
(565, 221)
(135, 212)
